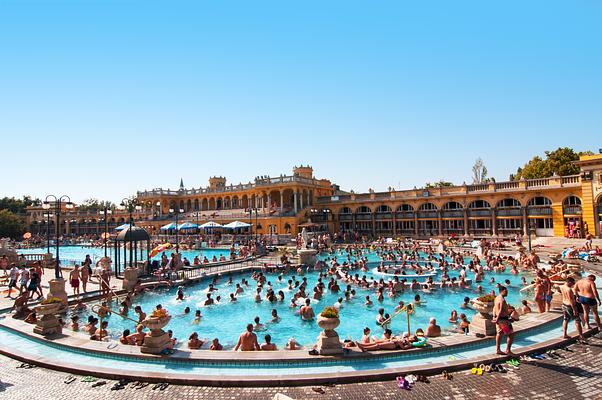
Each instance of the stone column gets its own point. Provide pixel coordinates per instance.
(525, 222)
(269, 201)
(281, 201)
(493, 222)
(440, 223)
(465, 222)
(301, 198)
(295, 201)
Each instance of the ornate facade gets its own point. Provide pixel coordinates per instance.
(555, 206)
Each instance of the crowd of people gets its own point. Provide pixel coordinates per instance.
(342, 271)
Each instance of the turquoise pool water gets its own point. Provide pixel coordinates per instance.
(226, 320)
(76, 254)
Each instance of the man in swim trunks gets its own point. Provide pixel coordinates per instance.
(571, 310)
(501, 317)
(587, 295)
(247, 340)
(74, 279)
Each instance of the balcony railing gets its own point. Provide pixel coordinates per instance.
(539, 211)
(479, 213)
(572, 210)
(234, 188)
(492, 187)
(509, 212)
(452, 214)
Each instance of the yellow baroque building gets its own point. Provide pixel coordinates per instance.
(555, 206)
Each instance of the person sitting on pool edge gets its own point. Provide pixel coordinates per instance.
(268, 345)
(247, 340)
(433, 330)
(194, 342)
(216, 345)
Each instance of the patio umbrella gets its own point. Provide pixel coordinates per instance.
(168, 227)
(210, 225)
(187, 225)
(237, 225)
(122, 227)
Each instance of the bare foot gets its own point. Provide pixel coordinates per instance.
(500, 353)
(566, 337)
(509, 353)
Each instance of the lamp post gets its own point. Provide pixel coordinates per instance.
(177, 212)
(130, 205)
(48, 214)
(106, 212)
(46, 205)
(251, 209)
(530, 228)
(325, 212)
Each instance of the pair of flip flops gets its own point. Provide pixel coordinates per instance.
(99, 383)
(26, 366)
(139, 385)
(69, 379)
(514, 363)
(161, 386)
(446, 375)
(120, 385)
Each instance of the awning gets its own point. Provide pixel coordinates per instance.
(168, 227)
(187, 225)
(237, 225)
(211, 224)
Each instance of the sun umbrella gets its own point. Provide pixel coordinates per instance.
(237, 225)
(168, 227)
(122, 227)
(211, 224)
(187, 225)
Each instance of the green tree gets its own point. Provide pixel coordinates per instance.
(559, 162)
(95, 205)
(11, 225)
(439, 184)
(18, 206)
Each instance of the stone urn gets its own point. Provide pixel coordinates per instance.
(47, 323)
(157, 340)
(328, 340)
(130, 277)
(481, 322)
(484, 308)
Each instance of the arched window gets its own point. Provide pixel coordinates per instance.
(508, 203)
(427, 207)
(479, 204)
(405, 207)
(452, 205)
(539, 201)
(384, 209)
(572, 201)
(363, 210)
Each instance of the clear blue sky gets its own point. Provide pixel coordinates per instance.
(101, 98)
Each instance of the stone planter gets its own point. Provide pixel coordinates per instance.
(328, 340)
(157, 340)
(57, 289)
(307, 256)
(481, 322)
(328, 324)
(130, 277)
(47, 323)
(485, 308)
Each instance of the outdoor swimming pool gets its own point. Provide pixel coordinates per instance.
(227, 319)
(70, 255)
